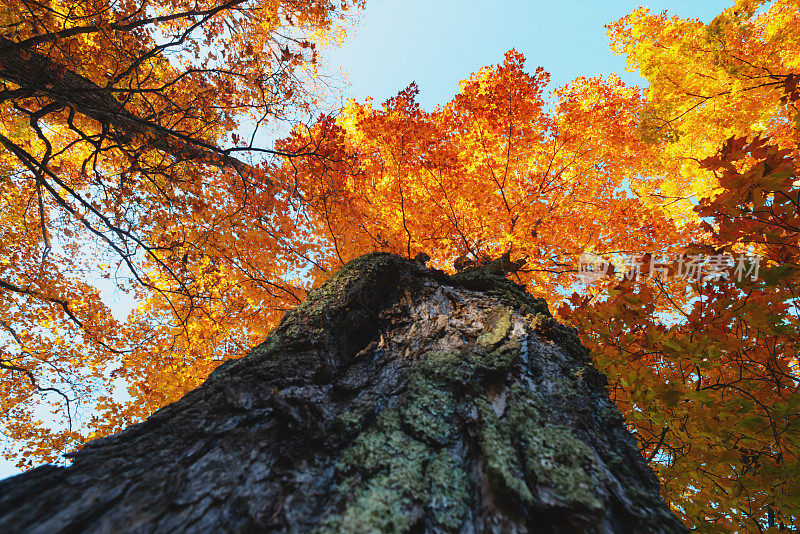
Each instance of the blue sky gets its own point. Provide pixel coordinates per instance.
(437, 43)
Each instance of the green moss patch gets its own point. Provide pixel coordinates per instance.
(429, 412)
(391, 478)
(498, 455)
(497, 360)
(449, 497)
(499, 331)
(553, 454)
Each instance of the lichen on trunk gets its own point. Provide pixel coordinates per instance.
(396, 398)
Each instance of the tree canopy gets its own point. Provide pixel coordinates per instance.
(119, 142)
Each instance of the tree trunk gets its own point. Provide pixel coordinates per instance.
(395, 398)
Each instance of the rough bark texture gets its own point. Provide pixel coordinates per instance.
(394, 399)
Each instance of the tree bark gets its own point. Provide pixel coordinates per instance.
(395, 398)
(39, 76)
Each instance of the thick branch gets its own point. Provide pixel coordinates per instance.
(39, 75)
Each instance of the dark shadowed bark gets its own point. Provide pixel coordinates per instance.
(394, 399)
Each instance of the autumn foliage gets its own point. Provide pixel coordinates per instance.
(707, 371)
(121, 159)
(122, 162)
